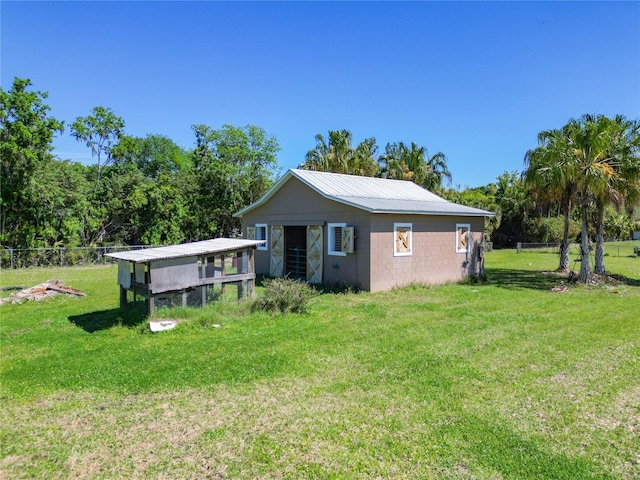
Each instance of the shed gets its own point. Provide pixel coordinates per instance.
(372, 233)
(154, 273)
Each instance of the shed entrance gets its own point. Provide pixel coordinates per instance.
(295, 241)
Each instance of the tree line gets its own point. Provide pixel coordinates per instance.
(147, 190)
(581, 181)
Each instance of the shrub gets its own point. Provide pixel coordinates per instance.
(284, 295)
(550, 229)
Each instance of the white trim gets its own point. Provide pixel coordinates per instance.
(331, 239)
(265, 229)
(405, 253)
(468, 241)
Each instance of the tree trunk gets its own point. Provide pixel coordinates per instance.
(599, 265)
(564, 246)
(584, 248)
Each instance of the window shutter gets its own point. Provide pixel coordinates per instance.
(337, 239)
(347, 239)
(251, 233)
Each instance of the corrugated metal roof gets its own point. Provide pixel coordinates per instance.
(204, 247)
(375, 195)
(340, 185)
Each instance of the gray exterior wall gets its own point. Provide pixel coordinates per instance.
(373, 265)
(295, 204)
(433, 259)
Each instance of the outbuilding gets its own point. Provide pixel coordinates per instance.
(372, 233)
(186, 270)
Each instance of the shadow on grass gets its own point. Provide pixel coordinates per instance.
(632, 282)
(505, 451)
(132, 316)
(531, 279)
(543, 280)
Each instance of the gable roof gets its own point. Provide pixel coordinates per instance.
(374, 195)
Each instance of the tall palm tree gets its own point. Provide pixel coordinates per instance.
(414, 163)
(550, 172)
(336, 154)
(590, 144)
(619, 181)
(597, 160)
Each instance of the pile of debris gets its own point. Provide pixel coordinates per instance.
(40, 292)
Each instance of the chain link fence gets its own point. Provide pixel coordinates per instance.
(59, 257)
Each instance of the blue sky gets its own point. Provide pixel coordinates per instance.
(476, 81)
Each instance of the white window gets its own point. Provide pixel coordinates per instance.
(335, 239)
(402, 241)
(463, 237)
(261, 234)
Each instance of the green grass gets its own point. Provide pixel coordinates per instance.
(501, 379)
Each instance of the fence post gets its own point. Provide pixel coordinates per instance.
(11, 258)
(519, 246)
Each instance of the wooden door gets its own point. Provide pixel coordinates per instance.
(314, 254)
(277, 251)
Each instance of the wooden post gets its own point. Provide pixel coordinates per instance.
(223, 271)
(203, 294)
(123, 297)
(151, 304)
(245, 261)
(184, 297)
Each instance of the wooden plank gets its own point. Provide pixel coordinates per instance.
(228, 279)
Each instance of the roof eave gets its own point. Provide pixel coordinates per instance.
(479, 213)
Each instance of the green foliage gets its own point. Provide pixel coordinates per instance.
(336, 154)
(140, 190)
(415, 164)
(26, 134)
(284, 295)
(232, 167)
(617, 226)
(550, 229)
(101, 131)
(479, 197)
(593, 161)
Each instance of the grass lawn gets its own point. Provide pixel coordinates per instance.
(505, 379)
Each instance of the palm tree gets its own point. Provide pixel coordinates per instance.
(618, 180)
(594, 161)
(589, 139)
(336, 154)
(550, 173)
(414, 164)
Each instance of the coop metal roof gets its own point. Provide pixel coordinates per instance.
(205, 247)
(374, 195)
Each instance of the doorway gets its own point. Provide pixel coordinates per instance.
(295, 244)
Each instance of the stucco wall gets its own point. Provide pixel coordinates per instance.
(296, 204)
(373, 265)
(434, 258)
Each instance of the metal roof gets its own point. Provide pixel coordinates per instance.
(374, 195)
(205, 247)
